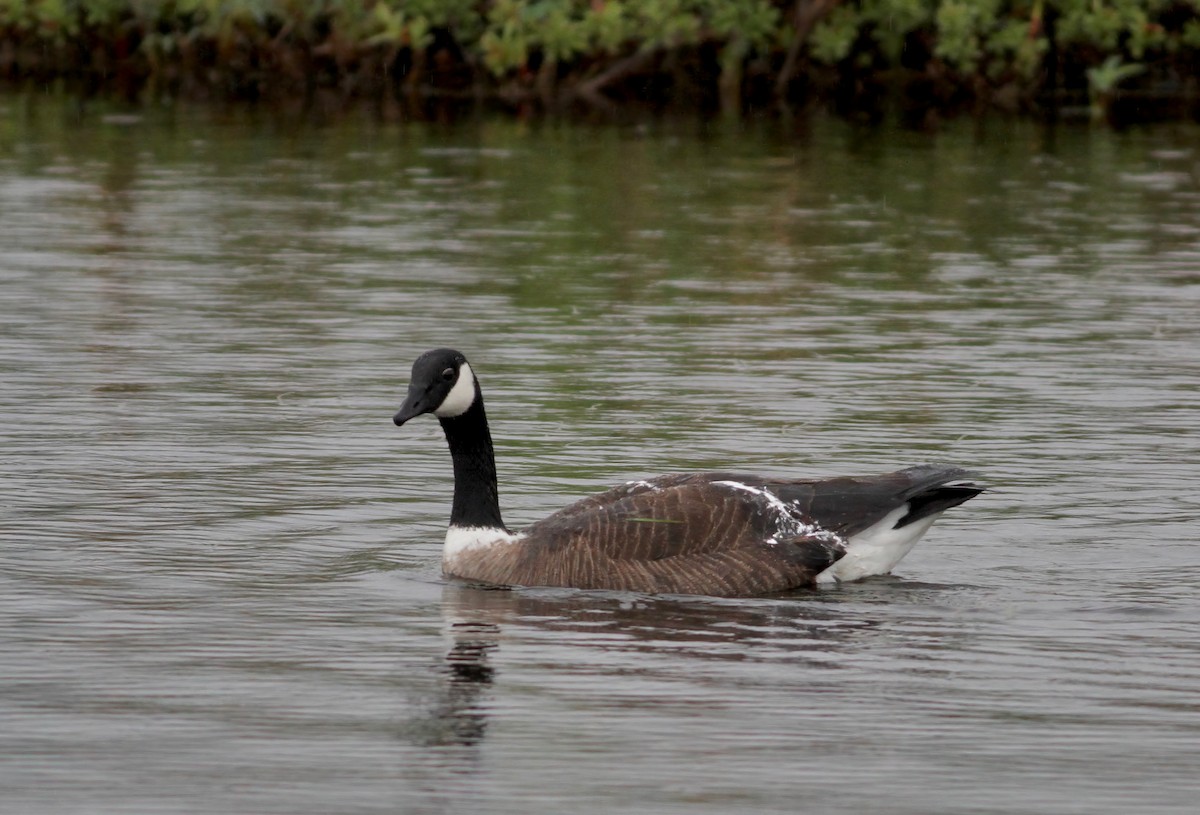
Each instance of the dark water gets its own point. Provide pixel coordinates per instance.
(219, 578)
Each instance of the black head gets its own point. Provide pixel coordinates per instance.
(442, 384)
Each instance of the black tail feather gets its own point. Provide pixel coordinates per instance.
(938, 499)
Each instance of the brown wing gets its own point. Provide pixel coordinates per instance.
(621, 491)
(753, 570)
(694, 537)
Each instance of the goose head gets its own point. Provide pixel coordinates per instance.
(442, 384)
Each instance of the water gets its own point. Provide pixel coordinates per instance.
(219, 562)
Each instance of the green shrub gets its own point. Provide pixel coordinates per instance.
(499, 40)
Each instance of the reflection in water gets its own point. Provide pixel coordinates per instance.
(598, 658)
(457, 717)
(603, 636)
(707, 628)
(480, 620)
(470, 676)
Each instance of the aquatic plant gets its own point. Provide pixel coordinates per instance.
(1105, 78)
(1103, 81)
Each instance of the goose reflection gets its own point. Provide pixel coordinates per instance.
(599, 634)
(455, 716)
(708, 628)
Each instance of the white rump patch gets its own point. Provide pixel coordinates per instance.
(460, 398)
(788, 517)
(878, 548)
(461, 539)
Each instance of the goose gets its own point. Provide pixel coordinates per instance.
(704, 533)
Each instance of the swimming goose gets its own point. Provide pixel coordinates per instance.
(715, 533)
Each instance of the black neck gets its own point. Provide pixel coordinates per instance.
(476, 497)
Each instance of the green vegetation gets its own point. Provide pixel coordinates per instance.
(598, 53)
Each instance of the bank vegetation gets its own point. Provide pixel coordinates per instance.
(1116, 58)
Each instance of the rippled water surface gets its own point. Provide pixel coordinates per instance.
(219, 576)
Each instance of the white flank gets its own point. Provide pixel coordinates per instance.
(462, 539)
(631, 485)
(878, 548)
(460, 398)
(790, 524)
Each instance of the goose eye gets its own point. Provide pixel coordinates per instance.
(448, 374)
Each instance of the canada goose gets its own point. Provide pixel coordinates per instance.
(695, 533)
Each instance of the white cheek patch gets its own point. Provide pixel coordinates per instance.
(460, 398)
